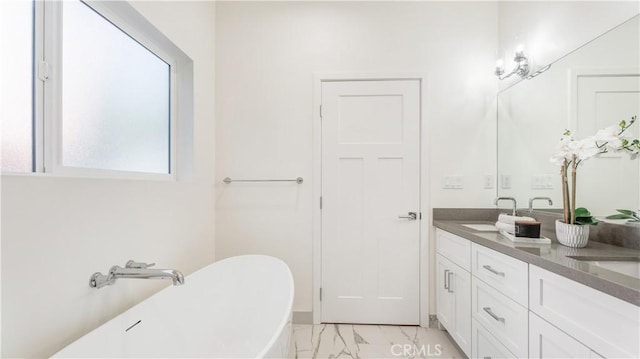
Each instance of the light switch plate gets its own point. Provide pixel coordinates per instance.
(505, 181)
(453, 182)
(542, 181)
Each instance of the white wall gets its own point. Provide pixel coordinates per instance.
(56, 232)
(266, 54)
(551, 29)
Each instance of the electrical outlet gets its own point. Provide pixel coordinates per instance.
(488, 181)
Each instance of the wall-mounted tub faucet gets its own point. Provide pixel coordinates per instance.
(135, 270)
(537, 198)
(513, 212)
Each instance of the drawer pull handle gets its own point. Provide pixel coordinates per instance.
(446, 277)
(488, 267)
(450, 289)
(493, 315)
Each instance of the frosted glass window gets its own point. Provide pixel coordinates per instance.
(115, 97)
(16, 111)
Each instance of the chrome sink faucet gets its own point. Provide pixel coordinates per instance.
(513, 212)
(537, 198)
(135, 270)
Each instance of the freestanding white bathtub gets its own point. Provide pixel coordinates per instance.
(239, 307)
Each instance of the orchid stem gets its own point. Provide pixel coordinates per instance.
(572, 203)
(565, 192)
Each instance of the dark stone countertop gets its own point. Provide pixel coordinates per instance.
(554, 258)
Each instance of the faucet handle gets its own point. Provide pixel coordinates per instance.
(138, 265)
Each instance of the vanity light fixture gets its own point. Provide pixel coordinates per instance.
(522, 65)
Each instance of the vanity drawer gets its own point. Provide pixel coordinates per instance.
(485, 345)
(456, 249)
(547, 341)
(501, 316)
(607, 325)
(506, 274)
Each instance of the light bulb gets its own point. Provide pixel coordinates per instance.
(499, 68)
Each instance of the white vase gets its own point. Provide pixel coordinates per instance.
(572, 235)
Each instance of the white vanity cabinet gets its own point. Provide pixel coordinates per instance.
(499, 298)
(496, 306)
(454, 301)
(606, 325)
(453, 291)
(506, 274)
(485, 345)
(547, 341)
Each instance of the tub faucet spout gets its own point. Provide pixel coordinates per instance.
(135, 270)
(144, 273)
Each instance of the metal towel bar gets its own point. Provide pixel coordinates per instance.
(229, 180)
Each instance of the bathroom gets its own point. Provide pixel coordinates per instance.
(253, 113)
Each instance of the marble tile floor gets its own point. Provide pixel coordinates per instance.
(328, 341)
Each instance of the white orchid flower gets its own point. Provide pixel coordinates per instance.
(609, 137)
(570, 153)
(585, 148)
(563, 152)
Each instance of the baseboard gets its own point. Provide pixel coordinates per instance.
(433, 321)
(302, 317)
(307, 318)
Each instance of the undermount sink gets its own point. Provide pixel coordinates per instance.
(482, 227)
(625, 265)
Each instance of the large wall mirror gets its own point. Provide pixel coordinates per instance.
(593, 87)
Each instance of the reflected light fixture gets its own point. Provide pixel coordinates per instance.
(522, 65)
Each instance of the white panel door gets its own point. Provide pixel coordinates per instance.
(604, 100)
(370, 179)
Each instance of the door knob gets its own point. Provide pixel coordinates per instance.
(412, 216)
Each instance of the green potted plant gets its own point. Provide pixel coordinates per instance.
(573, 229)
